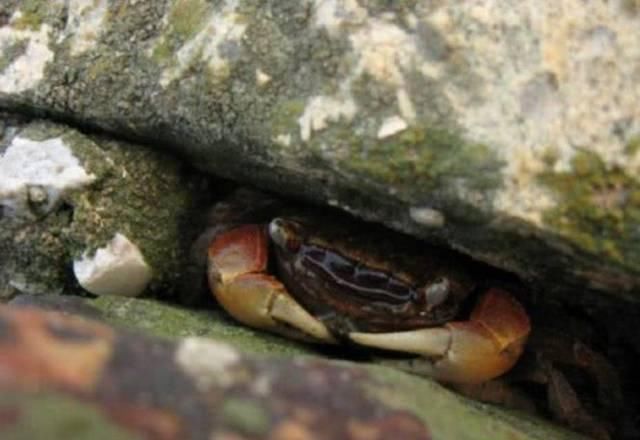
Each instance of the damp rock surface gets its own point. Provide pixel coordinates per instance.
(507, 129)
(115, 383)
(87, 213)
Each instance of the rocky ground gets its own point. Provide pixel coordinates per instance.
(508, 131)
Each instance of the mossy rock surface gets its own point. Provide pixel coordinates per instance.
(190, 386)
(148, 196)
(456, 122)
(510, 132)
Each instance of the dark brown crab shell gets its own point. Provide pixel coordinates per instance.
(363, 280)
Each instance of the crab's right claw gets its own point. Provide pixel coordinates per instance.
(473, 351)
(237, 262)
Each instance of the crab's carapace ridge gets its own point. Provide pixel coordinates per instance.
(331, 278)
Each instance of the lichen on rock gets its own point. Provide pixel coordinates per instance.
(65, 195)
(378, 109)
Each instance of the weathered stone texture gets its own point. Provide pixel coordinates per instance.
(515, 123)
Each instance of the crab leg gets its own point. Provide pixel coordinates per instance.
(473, 351)
(238, 279)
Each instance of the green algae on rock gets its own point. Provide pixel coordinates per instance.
(171, 321)
(199, 387)
(127, 191)
(599, 209)
(31, 416)
(399, 113)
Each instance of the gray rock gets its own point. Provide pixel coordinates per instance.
(193, 387)
(83, 209)
(507, 129)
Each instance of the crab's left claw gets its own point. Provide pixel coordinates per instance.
(238, 279)
(473, 351)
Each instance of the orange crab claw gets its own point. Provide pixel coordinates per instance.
(473, 351)
(237, 278)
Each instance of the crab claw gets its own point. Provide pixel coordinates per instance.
(473, 351)
(236, 271)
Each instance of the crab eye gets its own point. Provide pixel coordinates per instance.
(437, 292)
(283, 235)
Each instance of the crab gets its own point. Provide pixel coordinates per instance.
(316, 279)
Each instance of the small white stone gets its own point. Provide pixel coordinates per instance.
(15, 17)
(207, 361)
(405, 105)
(322, 109)
(262, 78)
(48, 167)
(262, 385)
(283, 139)
(116, 269)
(391, 126)
(427, 216)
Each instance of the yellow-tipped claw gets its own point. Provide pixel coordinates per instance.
(473, 351)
